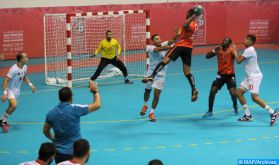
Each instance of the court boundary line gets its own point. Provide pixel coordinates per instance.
(171, 74)
(253, 139)
(146, 118)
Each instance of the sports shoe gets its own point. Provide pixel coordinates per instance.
(246, 118)
(147, 79)
(143, 110)
(152, 117)
(5, 127)
(207, 114)
(194, 95)
(236, 112)
(273, 118)
(128, 81)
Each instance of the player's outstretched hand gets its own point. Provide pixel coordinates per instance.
(234, 47)
(93, 55)
(4, 98)
(33, 88)
(93, 87)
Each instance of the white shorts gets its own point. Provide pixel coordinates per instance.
(12, 94)
(252, 84)
(158, 81)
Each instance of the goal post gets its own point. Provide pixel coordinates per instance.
(71, 39)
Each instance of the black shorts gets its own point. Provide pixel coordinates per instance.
(222, 79)
(183, 52)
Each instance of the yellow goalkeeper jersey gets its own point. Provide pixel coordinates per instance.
(108, 48)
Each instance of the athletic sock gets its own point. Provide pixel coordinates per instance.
(146, 103)
(5, 117)
(191, 80)
(152, 110)
(126, 78)
(210, 109)
(245, 107)
(269, 109)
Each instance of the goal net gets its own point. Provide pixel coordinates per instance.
(71, 40)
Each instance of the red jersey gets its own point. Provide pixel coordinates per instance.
(186, 36)
(225, 61)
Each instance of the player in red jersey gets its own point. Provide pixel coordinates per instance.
(182, 48)
(225, 58)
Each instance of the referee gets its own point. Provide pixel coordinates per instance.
(108, 48)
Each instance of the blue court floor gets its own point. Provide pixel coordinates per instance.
(118, 135)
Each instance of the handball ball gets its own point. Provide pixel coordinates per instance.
(198, 10)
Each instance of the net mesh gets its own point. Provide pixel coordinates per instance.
(86, 33)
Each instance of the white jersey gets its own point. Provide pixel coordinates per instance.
(155, 59)
(16, 76)
(68, 162)
(30, 163)
(251, 63)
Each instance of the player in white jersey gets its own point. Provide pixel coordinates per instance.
(46, 155)
(252, 81)
(81, 153)
(11, 87)
(156, 53)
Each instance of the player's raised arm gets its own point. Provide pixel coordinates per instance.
(175, 37)
(27, 81)
(238, 57)
(93, 87)
(191, 15)
(162, 48)
(212, 53)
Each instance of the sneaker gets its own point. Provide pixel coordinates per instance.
(207, 114)
(236, 112)
(128, 81)
(246, 118)
(152, 117)
(147, 79)
(273, 118)
(5, 127)
(194, 95)
(143, 110)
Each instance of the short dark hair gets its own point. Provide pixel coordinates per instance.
(19, 56)
(190, 12)
(153, 36)
(47, 150)
(108, 31)
(65, 94)
(252, 38)
(155, 162)
(81, 148)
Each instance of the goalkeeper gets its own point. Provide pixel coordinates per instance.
(108, 48)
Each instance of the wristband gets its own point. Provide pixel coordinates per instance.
(5, 92)
(95, 92)
(30, 84)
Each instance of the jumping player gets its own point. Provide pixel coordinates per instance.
(183, 49)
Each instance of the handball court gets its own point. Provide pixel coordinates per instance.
(180, 136)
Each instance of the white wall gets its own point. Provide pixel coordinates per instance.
(53, 3)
